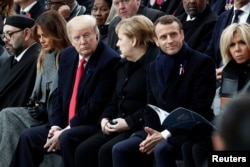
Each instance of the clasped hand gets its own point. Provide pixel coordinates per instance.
(108, 128)
(53, 143)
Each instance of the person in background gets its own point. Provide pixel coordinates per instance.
(67, 8)
(29, 8)
(15, 119)
(179, 77)
(126, 9)
(233, 124)
(86, 79)
(100, 10)
(6, 9)
(235, 51)
(20, 67)
(137, 48)
(87, 4)
(168, 7)
(199, 16)
(225, 19)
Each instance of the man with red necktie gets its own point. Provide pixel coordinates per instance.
(78, 101)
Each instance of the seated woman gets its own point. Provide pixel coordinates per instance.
(50, 32)
(235, 51)
(101, 10)
(123, 115)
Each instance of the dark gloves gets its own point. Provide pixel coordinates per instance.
(38, 110)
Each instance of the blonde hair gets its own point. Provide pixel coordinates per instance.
(81, 22)
(243, 29)
(54, 25)
(139, 27)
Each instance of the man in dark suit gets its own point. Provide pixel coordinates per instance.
(198, 16)
(65, 131)
(67, 8)
(127, 9)
(18, 71)
(30, 8)
(179, 77)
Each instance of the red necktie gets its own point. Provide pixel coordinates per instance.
(72, 105)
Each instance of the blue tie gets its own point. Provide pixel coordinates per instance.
(236, 15)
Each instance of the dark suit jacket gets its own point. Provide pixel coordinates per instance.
(218, 6)
(193, 89)
(223, 21)
(152, 14)
(35, 11)
(95, 88)
(167, 7)
(17, 82)
(199, 31)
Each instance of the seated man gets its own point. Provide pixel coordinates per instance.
(179, 77)
(86, 79)
(18, 72)
(198, 16)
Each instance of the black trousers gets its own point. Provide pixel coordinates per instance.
(97, 150)
(30, 151)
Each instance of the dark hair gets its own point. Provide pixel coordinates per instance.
(108, 1)
(167, 19)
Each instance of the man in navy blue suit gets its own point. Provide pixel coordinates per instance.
(96, 84)
(179, 77)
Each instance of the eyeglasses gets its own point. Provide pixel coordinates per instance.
(8, 35)
(49, 3)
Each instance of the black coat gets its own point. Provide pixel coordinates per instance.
(199, 31)
(194, 88)
(112, 39)
(17, 82)
(130, 96)
(95, 87)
